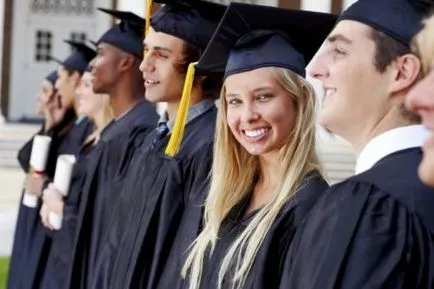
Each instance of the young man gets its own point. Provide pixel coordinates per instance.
(421, 97)
(115, 71)
(31, 241)
(375, 229)
(157, 190)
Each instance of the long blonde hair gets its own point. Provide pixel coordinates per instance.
(106, 117)
(233, 172)
(423, 44)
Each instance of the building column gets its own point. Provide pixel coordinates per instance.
(6, 12)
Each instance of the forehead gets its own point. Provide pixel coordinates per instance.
(356, 32)
(252, 79)
(163, 40)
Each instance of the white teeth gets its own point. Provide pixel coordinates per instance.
(151, 81)
(256, 132)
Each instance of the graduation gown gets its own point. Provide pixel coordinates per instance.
(374, 230)
(32, 240)
(97, 197)
(267, 269)
(153, 203)
(59, 258)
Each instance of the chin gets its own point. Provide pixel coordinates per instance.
(426, 169)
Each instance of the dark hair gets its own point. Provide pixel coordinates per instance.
(387, 49)
(210, 85)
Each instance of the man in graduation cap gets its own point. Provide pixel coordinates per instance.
(32, 241)
(173, 162)
(375, 229)
(115, 71)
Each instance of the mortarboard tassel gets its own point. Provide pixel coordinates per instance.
(181, 117)
(149, 4)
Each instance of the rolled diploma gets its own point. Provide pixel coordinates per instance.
(38, 161)
(62, 180)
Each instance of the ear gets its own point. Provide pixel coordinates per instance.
(406, 72)
(127, 61)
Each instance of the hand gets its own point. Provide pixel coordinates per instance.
(44, 213)
(54, 112)
(34, 183)
(53, 199)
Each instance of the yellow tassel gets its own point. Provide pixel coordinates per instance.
(149, 4)
(181, 117)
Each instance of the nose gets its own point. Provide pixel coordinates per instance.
(146, 64)
(319, 67)
(250, 113)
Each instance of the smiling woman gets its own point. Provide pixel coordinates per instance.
(265, 174)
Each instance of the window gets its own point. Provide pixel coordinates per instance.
(78, 36)
(69, 7)
(43, 45)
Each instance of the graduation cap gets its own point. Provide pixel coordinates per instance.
(126, 35)
(252, 36)
(400, 19)
(52, 77)
(79, 59)
(194, 21)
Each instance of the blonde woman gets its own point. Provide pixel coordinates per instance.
(421, 98)
(97, 108)
(265, 175)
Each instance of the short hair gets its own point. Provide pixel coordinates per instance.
(387, 49)
(210, 85)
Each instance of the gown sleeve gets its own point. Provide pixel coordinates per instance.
(384, 249)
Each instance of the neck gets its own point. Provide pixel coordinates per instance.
(393, 119)
(98, 120)
(269, 178)
(195, 97)
(124, 97)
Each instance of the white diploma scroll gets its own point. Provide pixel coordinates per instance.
(62, 180)
(38, 161)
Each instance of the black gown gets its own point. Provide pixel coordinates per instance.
(97, 198)
(32, 240)
(267, 269)
(153, 207)
(374, 230)
(59, 258)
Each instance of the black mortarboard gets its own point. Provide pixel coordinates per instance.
(126, 35)
(253, 36)
(191, 20)
(52, 77)
(79, 59)
(400, 19)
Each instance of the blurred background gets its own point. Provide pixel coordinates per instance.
(33, 31)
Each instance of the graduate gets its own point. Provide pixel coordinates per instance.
(33, 240)
(375, 229)
(46, 102)
(115, 71)
(420, 99)
(97, 108)
(169, 171)
(265, 175)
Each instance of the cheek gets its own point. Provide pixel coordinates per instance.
(232, 119)
(281, 118)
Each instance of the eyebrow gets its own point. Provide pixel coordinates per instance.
(159, 48)
(256, 90)
(339, 37)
